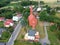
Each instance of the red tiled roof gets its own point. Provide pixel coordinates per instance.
(8, 21)
(32, 19)
(1, 18)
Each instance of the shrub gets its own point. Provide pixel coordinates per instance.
(26, 3)
(4, 2)
(42, 2)
(58, 34)
(53, 28)
(5, 35)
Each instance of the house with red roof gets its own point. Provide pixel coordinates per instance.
(2, 18)
(8, 23)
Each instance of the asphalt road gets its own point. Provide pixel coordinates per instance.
(14, 35)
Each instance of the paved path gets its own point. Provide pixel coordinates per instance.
(14, 35)
(2, 43)
(45, 40)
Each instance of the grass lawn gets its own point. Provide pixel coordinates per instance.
(4, 40)
(40, 28)
(53, 4)
(23, 31)
(20, 39)
(26, 43)
(58, 15)
(21, 34)
(1, 24)
(5, 36)
(53, 39)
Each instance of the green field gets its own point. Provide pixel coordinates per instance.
(26, 43)
(53, 38)
(58, 15)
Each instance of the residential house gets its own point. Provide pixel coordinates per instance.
(17, 17)
(2, 18)
(32, 35)
(8, 23)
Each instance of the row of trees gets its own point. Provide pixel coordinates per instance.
(26, 3)
(8, 14)
(4, 2)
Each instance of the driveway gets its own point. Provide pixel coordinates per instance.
(2, 43)
(45, 40)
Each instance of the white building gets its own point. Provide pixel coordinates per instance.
(17, 17)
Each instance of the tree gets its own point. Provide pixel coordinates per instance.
(5, 35)
(58, 34)
(52, 12)
(42, 2)
(48, 9)
(4, 2)
(27, 3)
(26, 13)
(43, 16)
(23, 22)
(18, 8)
(58, 26)
(57, 8)
(10, 29)
(53, 28)
(8, 15)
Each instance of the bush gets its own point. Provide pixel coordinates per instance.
(26, 3)
(10, 29)
(58, 34)
(5, 35)
(4, 2)
(1, 25)
(53, 28)
(18, 8)
(8, 14)
(42, 2)
(44, 16)
(36, 43)
(57, 8)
